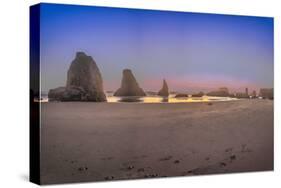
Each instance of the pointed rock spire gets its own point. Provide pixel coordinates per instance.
(164, 91)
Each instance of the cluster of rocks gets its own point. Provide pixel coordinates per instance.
(265, 93)
(84, 83)
(244, 95)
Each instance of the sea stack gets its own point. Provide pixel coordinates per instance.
(164, 91)
(84, 82)
(129, 85)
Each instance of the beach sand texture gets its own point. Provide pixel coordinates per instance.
(84, 141)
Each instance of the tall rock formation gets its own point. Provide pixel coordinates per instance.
(164, 91)
(84, 82)
(129, 85)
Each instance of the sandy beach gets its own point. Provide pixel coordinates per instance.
(87, 141)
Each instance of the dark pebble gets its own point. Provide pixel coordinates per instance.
(176, 161)
(222, 164)
(232, 157)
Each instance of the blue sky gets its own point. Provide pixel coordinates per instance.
(192, 51)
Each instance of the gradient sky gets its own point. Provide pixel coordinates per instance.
(192, 51)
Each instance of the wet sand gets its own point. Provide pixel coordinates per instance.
(111, 141)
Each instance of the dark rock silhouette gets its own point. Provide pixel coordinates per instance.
(74, 93)
(181, 95)
(56, 94)
(129, 85)
(200, 94)
(266, 93)
(222, 92)
(164, 91)
(243, 95)
(254, 94)
(84, 82)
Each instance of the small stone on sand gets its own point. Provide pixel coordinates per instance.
(233, 157)
(176, 161)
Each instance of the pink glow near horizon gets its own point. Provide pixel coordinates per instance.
(192, 83)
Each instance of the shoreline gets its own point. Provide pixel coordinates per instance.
(155, 99)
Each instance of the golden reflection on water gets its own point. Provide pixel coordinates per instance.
(170, 99)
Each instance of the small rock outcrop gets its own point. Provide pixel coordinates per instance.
(84, 82)
(244, 95)
(266, 93)
(181, 95)
(129, 85)
(200, 94)
(164, 91)
(56, 93)
(254, 94)
(221, 92)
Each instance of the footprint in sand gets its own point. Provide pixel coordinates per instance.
(127, 167)
(151, 175)
(109, 178)
(81, 169)
(228, 150)
(245, 149)
(140, 170)
(166, 158)
(213, 168)
(140, 157)
(106, 158)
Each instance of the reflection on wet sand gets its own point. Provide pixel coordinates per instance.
(170, 99)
